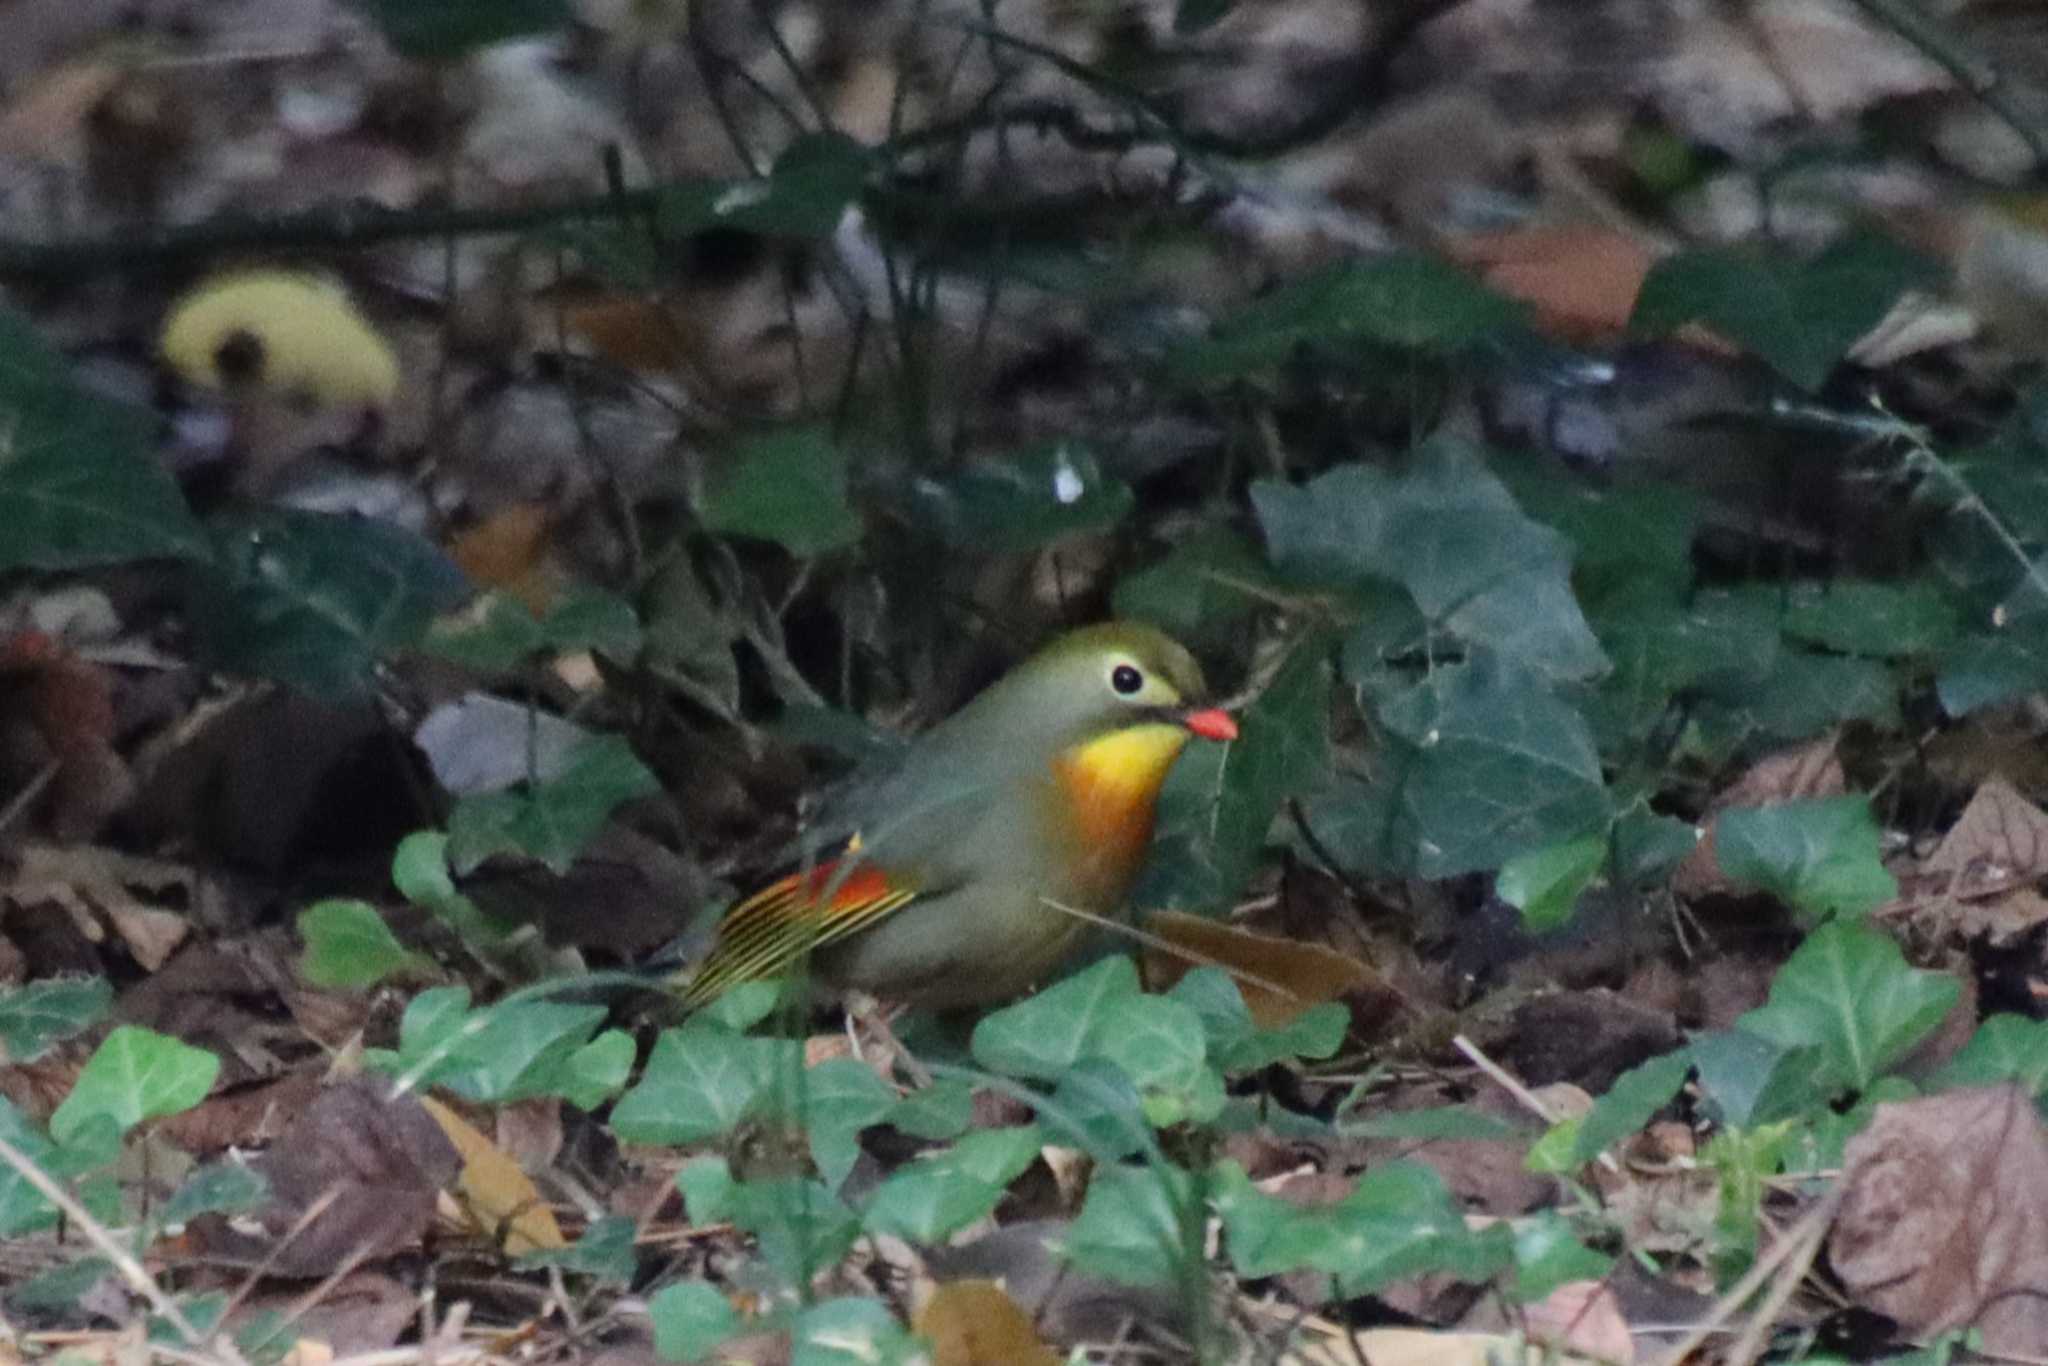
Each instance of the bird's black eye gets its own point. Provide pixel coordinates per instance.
(1126, 679)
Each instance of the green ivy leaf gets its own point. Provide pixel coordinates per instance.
(315, 599)
(804, 195)
(594, 1073)
(1129, 1229)
(1548, 1254)
(1804, 694)
(1544, 884)
(605, 1251)
(439, 30)
(929, 1200)
(1398, 1221)
(1988, 667)
(134, 1075)
(1483, 763)
(1023, 502)
(1043, 1035)
(499, 634)
(700, 1080)
(1819, 856)
(36, 1016)
(2004, 1048)
(1282, 751)
(1455, 1122)
(1800, 316)
(786, 486)
(1847, 991)
(1633, 534)
(78, 474)
(1881, 620)
(799, 1226)
(1403, 299)
(1647, 846)
(552, 821)
(349, 946)
(22, 1207)
(1449, 532)
(1636, 1095)
(939, 1112)
(224, 1187)
(841, 1097)
(1101, 1014)
(1202, 591)
(853, 1332)
(522, 1049)
(690, 1319)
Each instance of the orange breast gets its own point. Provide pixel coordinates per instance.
(1107, 790)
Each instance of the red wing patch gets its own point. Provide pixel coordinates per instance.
(766, 932)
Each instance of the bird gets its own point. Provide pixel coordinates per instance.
(943, 879)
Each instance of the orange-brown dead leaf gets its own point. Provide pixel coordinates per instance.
(638, 333)
(976, 1323)
(1582, 279)
(67, 704)
(1304, 974)
(508, 551)
(501, 1200)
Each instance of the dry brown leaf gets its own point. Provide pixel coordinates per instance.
(91, 882)
(1809, 770)
(363, 1312)
(1944, 1218)
(1280, 978)
(1582, 1316)
(1988, 860)
(501, 1200)
(356, 1177)
(976, 1323)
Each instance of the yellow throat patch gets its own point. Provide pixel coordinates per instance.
(1110, 785)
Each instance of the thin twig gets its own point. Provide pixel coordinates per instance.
(1819, 1217)
(1152, 941)
(1508, 1082)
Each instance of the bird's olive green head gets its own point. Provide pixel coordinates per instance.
(1091, 682)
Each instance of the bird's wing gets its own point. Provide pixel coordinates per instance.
(903, 831)
(790, 917)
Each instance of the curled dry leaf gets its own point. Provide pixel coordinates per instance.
(1280, 978)
(1944, 1218)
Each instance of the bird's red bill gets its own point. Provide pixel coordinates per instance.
(1211, 723)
